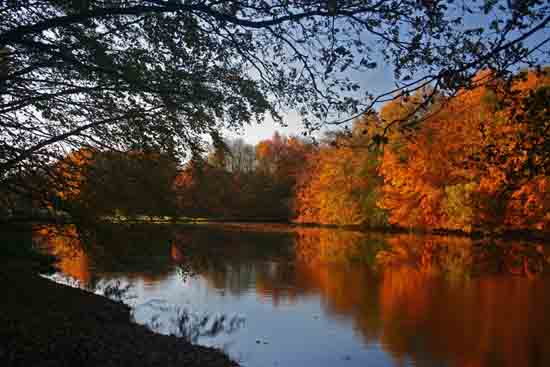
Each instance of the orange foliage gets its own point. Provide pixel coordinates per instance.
(334, 188)
(281, 157)
(477, 161)
(442, 176)
(72, 171)
(340, 183)
(64, 243)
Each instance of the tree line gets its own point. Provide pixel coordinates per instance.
(161, 75)
(477, 161)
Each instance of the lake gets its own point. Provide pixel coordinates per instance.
(277, 295)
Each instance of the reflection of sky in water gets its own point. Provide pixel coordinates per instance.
(271, 334)
(295, 332)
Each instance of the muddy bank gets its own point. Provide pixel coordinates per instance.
(43, 323)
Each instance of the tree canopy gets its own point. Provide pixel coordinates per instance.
(162, 74)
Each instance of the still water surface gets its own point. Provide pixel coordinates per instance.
(278, 296)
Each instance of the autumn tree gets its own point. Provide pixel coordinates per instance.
(203, 190)
(237, 180)
(131, 183)
(467, 166)
(340, 183)
(516, 150)
(161, 74)
(97, 184)
(281, 160)
(418, 168)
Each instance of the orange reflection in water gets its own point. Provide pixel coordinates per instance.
(490, 321)
(64, 242)
(440, 299)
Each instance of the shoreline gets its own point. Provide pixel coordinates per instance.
(263, 224)
(43, 323)
(289, 226)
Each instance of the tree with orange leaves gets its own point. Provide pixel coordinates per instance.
(516, 151)
(340, 184)
(426, 180)
(472, 164)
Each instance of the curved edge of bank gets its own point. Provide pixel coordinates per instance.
(43, 323)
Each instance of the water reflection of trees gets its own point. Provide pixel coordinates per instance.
(233, 260)
(486, 321)
(455, 256)
(86, 253)
(433, 300)
(437, 300)
(185, 322)
(324, 246)
(64, 243)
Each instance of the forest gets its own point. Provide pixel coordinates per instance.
(121, 166)
(478, 161)
(119, 109)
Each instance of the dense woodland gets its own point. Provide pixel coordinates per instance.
(105, 108)
(477, 161)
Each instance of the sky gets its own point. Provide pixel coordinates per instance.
(377, 80)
